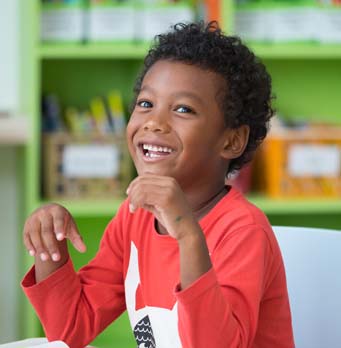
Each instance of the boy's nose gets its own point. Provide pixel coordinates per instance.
(156, 124)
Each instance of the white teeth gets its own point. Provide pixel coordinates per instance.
(152, 155)
(156, 148)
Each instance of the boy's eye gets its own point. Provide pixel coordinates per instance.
(184, 109)
(144, 104)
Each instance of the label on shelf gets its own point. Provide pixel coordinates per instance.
(91, 161)
(314, 160)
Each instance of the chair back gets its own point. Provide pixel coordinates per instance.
(312, 259)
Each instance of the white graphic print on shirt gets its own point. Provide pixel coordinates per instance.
(153, 327)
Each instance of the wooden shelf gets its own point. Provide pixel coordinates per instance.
(13, 130)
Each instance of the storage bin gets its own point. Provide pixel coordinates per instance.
(302, 163)
(82, 166)
(111, 20)
(158, 17)
(63, 22)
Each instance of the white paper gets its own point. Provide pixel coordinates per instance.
(314, 160)
(35, 343)
(91, 161)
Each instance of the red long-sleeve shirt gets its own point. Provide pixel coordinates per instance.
(241, 302)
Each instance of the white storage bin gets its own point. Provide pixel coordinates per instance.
(154, 19)
(111, 21)
(63, 22)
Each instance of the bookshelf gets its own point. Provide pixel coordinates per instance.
(306, 82)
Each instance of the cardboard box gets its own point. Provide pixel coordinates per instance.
(302, 163)
(82, 166)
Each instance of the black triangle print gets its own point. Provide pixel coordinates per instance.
(143, 333)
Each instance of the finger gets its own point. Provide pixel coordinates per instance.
(132, 208)
(60, 220)
(36, 240)
(49, 238)
(74, 237)
(141, 199)
(150, 182)
(27, 239)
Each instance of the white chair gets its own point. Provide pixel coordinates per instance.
(312, 259)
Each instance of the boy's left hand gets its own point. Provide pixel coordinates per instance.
(162, 196)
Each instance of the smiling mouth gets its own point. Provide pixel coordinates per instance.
(151, 151)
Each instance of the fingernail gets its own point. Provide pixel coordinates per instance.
(55, 257)
(31, 252)
(127, 190)
(60, 236)
(43, 257)
(131, 208)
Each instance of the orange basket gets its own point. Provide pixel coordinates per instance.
(302, 163)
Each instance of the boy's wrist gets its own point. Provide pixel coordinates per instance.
(188, 229)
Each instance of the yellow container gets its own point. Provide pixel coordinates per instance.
(302, 163)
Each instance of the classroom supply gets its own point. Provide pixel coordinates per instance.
(115, 112)
(85, 166)
(51, 114)
(111, 20)
(63, 21)
(303, 162)
(287, 21)
(157, 16)
(99, 115)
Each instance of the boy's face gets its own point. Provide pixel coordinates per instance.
(177, 127)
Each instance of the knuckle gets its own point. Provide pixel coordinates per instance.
(51, 245)
(29, 223)
(39, 247)
(46, 230)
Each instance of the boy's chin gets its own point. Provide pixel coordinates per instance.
(151, 172)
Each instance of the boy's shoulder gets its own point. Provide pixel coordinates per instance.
(235, 213)
(234, 206)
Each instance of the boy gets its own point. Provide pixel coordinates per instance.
(192, 261)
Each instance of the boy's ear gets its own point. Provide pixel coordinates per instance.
(235, 142)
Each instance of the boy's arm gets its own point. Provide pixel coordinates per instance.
(75, 307)
(172, 210)
(45, 234)
(194, 255)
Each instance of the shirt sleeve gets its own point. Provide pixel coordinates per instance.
(220, 309)
(76, 307)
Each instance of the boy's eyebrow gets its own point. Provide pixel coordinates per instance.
(188, 95)
(176, 94)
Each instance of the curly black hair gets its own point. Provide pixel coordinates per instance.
(248, 96)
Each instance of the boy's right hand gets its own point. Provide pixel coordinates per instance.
(46, 230)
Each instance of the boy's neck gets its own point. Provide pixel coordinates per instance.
(201, 210)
